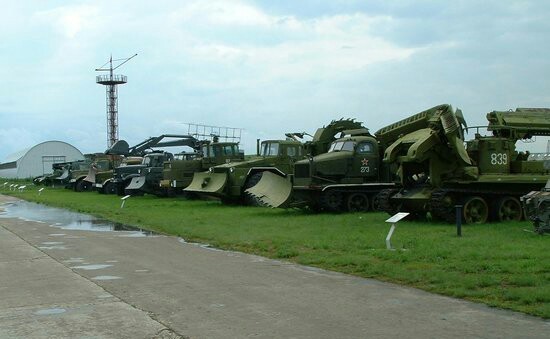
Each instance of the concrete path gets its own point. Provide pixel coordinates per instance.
(67, 284)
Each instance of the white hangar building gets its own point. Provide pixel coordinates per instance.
(38, 160)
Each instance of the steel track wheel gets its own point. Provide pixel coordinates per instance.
(508, 209)
(442, 205)
(475, 210)
(358, 202)
(331, 201)
(383, 202)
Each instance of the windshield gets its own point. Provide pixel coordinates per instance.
(229, 150)
(270, 149)
(338, 146)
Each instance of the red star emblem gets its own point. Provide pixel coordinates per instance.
(365, 162)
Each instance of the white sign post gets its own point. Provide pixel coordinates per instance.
(124, 200)
(393, 220)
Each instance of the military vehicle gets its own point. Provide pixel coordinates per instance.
(536, 205)
(230, 181)
(48, 179)
(347, 177)
(486, 177)
(100, 170)
(139, 159)
(62, 172)
(178, 173)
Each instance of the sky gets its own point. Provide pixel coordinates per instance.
(268, 67)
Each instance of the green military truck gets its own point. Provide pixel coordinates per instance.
(140, 159)
(178, 173)
(230, 181)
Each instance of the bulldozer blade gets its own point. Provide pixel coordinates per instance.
(63, 175)
(272, 190)
(91, 175)
(207, 182)
(136, 183)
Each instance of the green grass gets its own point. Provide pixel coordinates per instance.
(500, 265)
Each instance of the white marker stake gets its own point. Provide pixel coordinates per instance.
(393, 220)
(124, 200)
(40, 191)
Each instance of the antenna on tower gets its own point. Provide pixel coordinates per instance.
(111, 81)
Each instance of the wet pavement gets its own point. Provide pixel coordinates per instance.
(66, 283)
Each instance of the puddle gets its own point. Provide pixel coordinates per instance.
(74, 260)
(50, 311)
(55, 247)
(106, 277)
(91, 267)
(65, 219)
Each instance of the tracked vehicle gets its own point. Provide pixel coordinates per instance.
(230, 181)
(487, 176)
(347, 177)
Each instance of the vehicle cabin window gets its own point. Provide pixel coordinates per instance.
(270, 149)
(228, 150)
(339, 146)
(365, 147)
(205, 151)
(293, 151)
(214, 151)
(146, 161)
(103, 165)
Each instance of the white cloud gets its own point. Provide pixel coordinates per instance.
(70, 20)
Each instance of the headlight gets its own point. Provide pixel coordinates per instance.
(139, 171)
(231, 169)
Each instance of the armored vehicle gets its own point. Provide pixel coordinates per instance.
(487, 176)
(536, 205)
(178, 173)
(230, 181)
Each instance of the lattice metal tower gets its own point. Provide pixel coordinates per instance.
(111, 81)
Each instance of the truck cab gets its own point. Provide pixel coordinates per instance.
(178, 173)
(229, 181)
(351, 160)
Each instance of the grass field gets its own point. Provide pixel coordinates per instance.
(503, 265)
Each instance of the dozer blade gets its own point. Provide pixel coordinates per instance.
(63, 175)
(91, 175)
(136, 183)
(207, 182)
(272, 190)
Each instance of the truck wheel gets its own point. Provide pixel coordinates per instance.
(475, 210)
(358, 202)
(251, 182)
(109, 188)
(331, 201)
(83, 186)
(508, 209)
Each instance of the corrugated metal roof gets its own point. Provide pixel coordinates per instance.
(17, 155)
